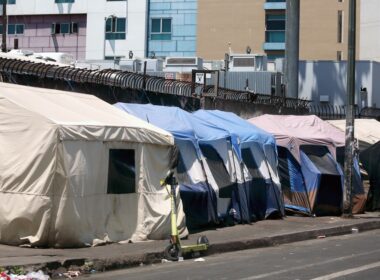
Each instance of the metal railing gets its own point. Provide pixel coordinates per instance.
(137, 81)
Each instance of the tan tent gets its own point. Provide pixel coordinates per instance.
(367, 131)
(75, 171)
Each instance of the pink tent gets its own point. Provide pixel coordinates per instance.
(292, 132)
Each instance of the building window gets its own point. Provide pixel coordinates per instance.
(121, 172)
(339, 55)
(275, 28)
(340, 26)
(64, 1)
(115, 28)
(161, 29)
(14, 29)
(64, 28)
(8, 1)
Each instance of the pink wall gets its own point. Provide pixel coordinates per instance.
(37, 34)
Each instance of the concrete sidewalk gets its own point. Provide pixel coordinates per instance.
(240, 237)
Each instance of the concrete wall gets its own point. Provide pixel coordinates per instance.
(329, 78)
(370, 30)
(219, 21)
(239, 22)
(97, 10)
(319, 29)
(184, 25)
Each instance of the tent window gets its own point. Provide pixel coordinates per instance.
(121, 171)
(319, 155)
(218, 170)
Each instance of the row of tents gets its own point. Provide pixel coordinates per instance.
(76, 171)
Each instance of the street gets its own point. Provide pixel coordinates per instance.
(355, 256)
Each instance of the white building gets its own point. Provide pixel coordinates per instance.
(370, 30)
(79, 27)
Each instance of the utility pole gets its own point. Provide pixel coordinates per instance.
(5, 25)
(350, 112)
(292, 42)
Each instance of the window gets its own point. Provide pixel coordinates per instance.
(14, 29)
(339, 55)
(121, 172)
(64, 1)
(275, 28)
(8, 1)
(340, 26)
(115, 28)
(64, 28)
(161, 29)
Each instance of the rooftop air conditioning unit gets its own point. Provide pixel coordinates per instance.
(153, 65)
(248, 62)
(131, 65)
(183, 64)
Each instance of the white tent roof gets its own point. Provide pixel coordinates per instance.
(83, 116)
(366, 130)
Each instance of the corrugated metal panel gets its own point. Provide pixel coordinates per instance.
(259, 82)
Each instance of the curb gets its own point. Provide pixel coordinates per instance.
(127, 261)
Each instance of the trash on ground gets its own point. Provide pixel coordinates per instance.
(72, 274)
(354, 230)
(39, 275)
(321, 236)
(165, 261)
(200, 260)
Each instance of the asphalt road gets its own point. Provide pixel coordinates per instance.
(355, 256)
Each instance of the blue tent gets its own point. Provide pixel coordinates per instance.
(205, 171)
(198, 197)
(256, 151)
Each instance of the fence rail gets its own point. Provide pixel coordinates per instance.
(138, 81)
(329, 112)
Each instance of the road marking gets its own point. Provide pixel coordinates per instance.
(348, 271)
(266, 275)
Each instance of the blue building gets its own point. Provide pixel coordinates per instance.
(172, 28)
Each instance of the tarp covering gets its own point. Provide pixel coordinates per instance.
(370, 159)
(292, 132)
(312, 177)
(258, 178)
(198, 197)
(367, 131)
(75, 171)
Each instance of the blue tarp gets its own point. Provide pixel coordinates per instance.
(198, 199)
(261, 198)
(315, 185)
(210, 141)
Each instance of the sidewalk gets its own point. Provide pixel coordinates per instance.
(240, 237)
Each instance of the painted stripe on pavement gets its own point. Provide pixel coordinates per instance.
(348, 271)
(265, 275)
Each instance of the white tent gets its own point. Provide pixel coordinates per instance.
(75, 171)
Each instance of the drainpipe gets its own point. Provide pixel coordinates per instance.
(5, 27)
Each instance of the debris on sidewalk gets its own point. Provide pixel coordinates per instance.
(354, 230)
(200, 260)
(39, 275)
(321, 236)
(72, 274)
